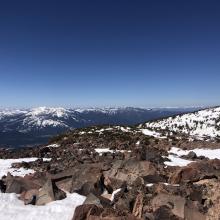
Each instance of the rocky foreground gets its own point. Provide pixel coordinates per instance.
(122, 173)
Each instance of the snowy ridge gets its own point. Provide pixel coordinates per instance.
(27, 119)
(21, 127)
(204, 124)
(55, 112)
(11, 112)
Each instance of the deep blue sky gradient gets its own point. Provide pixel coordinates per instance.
(109, 53)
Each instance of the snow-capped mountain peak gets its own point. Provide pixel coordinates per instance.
(55, 112)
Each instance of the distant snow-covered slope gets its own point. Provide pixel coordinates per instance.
(203, 124)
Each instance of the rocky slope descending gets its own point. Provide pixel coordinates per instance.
(204, 124)
(119, 172)
(113, 172)
(35, 126)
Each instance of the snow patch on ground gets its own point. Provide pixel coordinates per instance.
(53, 145)
(151, 133)
(138, 143)
(100, 151)
(127, 129)
(210, 153)
(176, 161)
(175, 154)
(149, 184)
(114, 193)
(13, 208)
(5, 166)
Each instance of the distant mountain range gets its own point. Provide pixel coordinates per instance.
(27, 127)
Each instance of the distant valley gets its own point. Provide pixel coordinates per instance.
(28, 127)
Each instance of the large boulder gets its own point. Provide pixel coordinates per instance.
(128, 171)
(165, 213)
(196, 171)
(211, 199)
(176, 203)
(191, 212)
(30, 196)
(92, 212)
(48, 193)
(63, 180)
(15, 184)
(99, 201)
(83, 179)
(87, 178)
(150, 153)
(82, 212)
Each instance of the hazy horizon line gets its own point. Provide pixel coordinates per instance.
(105, 107)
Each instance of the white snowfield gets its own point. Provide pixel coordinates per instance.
(100, 131)
(201, 124)
(55, 112)
(114, 193)
(177, 161)
(151, 133)
(53, 145)
(11, 112)
(13, 208)
(209, 153)
(100, 151)
(175, 154)
(5, 166)
(38, 117)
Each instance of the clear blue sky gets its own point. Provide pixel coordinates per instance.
(109, 53)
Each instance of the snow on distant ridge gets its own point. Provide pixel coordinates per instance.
(200, 124)
(103, 110)
(11, 112)
(152, 133)
(58, 112)
(27, 120)
(44, 116)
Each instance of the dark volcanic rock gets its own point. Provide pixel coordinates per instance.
(92, 212)
(29, 197)
(2, 186)
(129, 170)
(165, 213)
(129, 181)
(87, 178)
(48, 193)
(82, 212)
(197, 171)
(19, 184)
(175, 203)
